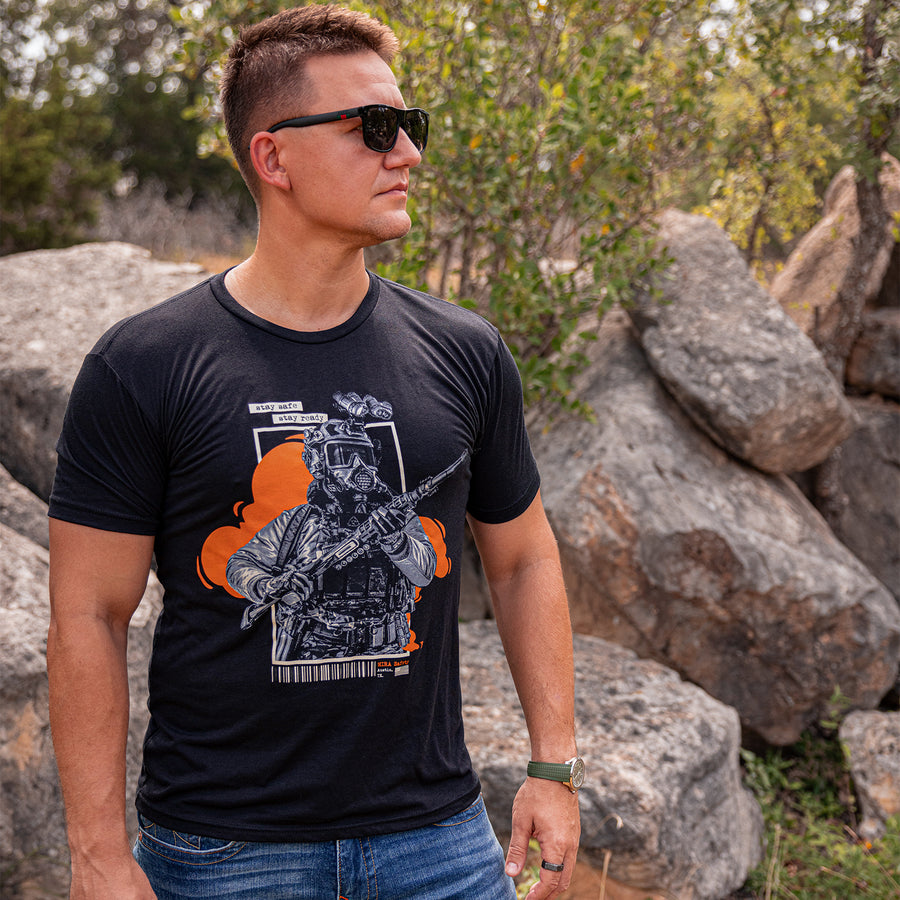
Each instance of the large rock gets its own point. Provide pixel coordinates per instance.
(871, 740)
(22, 511)
(733, 359)
(869, 474)
(54, 305)
(31, 811)
(30, 801)
(874, 363)
(663, 792)
(807, 286)
(674, 549)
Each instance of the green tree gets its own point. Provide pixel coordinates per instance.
(791, 107)
(770, 162)
(155, 137)
(770, 154)
(53, 159)
(88, 97)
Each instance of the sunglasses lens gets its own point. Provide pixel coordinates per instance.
(380, 127)
(416, 126)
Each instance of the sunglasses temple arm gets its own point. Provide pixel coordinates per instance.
(319, 119)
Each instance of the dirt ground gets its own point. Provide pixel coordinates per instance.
(589, 883)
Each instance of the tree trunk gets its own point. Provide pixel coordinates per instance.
(828, 494)
(873, 222)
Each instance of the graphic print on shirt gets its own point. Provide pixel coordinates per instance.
(335, 575)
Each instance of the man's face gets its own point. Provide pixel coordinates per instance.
(340, 189)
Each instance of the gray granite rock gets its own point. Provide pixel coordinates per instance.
(874, 363)
(868, 466)
(807, 285)
(673, 548)
(54, 305)
(734, 360)
(22, 511)
(872, 742)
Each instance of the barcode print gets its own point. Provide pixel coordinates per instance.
(332, 671)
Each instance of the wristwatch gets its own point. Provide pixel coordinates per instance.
(570, 773)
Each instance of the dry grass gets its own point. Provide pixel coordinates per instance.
(184, 229)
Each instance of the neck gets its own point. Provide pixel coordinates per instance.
(311, 290)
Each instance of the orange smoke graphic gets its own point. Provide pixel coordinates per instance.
(279, 483)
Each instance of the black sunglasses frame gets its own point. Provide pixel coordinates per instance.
(405, 118)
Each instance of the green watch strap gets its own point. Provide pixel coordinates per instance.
(552, 771)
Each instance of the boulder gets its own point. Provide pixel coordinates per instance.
(30, 800)
(663, 791)
(874, 362)
(871, 740)
(674, 549)
(733, 359)
(807, 286)
(31, 811)
(22, 511)
(869, 476)
(54, 305)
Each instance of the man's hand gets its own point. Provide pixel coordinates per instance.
(109, 879)
(548, 812)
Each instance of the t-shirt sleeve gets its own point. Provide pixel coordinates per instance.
(110, 472)
(505, 476)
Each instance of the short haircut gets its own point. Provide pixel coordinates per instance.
(263, 77)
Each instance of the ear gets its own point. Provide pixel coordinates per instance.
(265, 154)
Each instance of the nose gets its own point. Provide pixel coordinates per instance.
(403, 153)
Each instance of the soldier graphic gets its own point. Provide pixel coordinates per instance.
(341, 570)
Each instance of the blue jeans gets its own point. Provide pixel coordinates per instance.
(457, 859)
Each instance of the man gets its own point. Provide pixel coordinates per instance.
(322, 759)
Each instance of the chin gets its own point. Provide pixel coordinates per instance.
(390, 230)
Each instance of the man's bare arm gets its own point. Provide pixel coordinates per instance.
(521, 562)
(97, 579)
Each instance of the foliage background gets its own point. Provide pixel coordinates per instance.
(559, 128)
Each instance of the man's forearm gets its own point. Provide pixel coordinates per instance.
(533, 620)
(86, 663)
(97, 579)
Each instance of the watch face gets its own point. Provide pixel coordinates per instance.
(577, 773)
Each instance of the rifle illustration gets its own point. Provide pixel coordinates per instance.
(358, 541)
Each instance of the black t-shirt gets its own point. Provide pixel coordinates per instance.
(304, 682)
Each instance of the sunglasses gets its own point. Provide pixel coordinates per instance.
(380, 125)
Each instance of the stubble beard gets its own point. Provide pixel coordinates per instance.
(380, 232)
